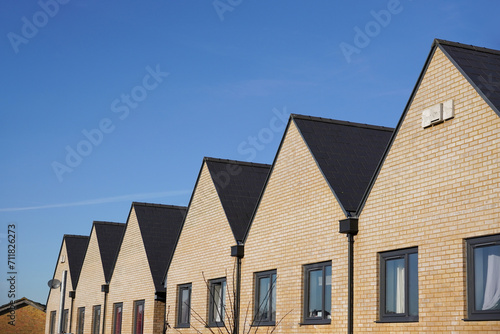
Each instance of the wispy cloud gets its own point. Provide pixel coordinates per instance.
(131, 197)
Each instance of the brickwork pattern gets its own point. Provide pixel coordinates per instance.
(296, 224)
(88, 291)
(438, 186)
(55, 294)
(132, 281)
(29, 320)
(204, 248)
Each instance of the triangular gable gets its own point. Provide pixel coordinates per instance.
(109, 236)
(480, 66)
(476, 64)
(239, 186)
(160, 227)
(347, 154)
(76, 246)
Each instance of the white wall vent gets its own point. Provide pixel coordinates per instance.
(448, 110)
(438, 113)
(63, 258)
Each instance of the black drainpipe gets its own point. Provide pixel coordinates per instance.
(105, 289)
(237, 251)
(349, 226)
(72, 295)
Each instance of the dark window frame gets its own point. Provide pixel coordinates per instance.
(271, 303)
(136, 330)
(472, 313)
(52, 324)
(211, 302)
(180, 289)
(80, 320)
(383, 258)
(95, 330)
(65, 319)
(117, 306)
(324, 317)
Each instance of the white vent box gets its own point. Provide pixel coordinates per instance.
(432, 115)
(448, 110)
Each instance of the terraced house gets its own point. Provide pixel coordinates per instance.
(91, 293)
(68, 268)
(354, 228)
(136, 297)
(202, 279)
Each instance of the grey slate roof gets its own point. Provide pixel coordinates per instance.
(109, 236)
(160, 226)
(21, 303)
(480, 66)
(76, 246)
(239, 186)
(346, 153)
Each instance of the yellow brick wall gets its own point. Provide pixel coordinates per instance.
(204, 248)
(296, 224)
(88, 291)
(437, 186)
(29, 320)
(55, 294)
(132, 281)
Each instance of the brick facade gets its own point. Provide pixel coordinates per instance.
(296, 224)
(203, 249)
(29, 319)
(437, 186)
(132, 281)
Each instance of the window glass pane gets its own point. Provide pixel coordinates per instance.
(139, 317)
(315, 301)
(264, 295)
(118, 319)
(273, 297)
(413, 284)
(184, 317)
(328, 292)
(97, 320)
(395, 286)
(52, 322)
(218, 295)
(487, 277)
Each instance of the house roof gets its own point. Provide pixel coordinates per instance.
(160, 226)
(347, 154)
(109, 236)
(239, 186)
(76, 247)
(21, 303)
(480, 66)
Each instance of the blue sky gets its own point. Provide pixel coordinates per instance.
(106, 102)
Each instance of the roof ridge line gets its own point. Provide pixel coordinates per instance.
(237, 162)
(339, 122)
(158, 205)
(466, 46)
(75, 236)
(107, 223)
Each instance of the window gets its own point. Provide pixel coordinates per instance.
(117, 318)
(265, 298)
(96, 319)
(217, 302)
(183, 305)
(80, 320)
(399, 285)
(65, 321)
(318, 293)
(138, 316)
(483, 278)
(52, 325)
